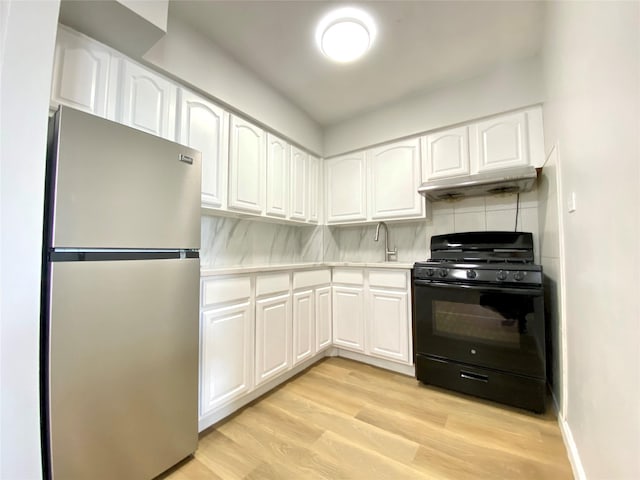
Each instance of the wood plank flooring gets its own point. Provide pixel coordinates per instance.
(341, 419)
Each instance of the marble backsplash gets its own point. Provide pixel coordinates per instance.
(228, 241)
(356, 243)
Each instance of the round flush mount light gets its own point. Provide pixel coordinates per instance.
(345, 34)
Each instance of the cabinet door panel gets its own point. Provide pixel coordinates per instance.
(278, 157)
(388, 325)
(81, 73)
(348, 317)
(394, 178)
(299, 181)
(148, 101)
(273, 337)
(314, 189)
(502, 142)
(303, 326)
(205, 127)
(346, 188)
(246, 166)
(227, 355)
(446, 153)
(323, 318)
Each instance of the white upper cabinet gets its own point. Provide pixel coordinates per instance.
(315, 187)
(299, 185)
(501, 142)
(85, 74)
(278, 161)
(246, 166)
(148, 101)
(205, 127)
(346, 184)
(446, 153)
(394, 178)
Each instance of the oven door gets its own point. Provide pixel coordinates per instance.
(487, 326)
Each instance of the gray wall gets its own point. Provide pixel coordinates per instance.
(592, 76)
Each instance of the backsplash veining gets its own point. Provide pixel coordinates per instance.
(227, 241)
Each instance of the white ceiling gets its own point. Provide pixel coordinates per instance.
(421, 45)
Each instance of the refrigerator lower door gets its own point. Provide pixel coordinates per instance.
(123, 367)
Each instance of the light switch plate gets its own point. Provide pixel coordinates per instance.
(571, 202)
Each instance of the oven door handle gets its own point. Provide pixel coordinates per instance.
(531, 291)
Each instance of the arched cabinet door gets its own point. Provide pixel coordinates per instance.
(205, 127)
(502, 142)
(247, 150)
(84, 74)
(394, 178)
(446, 153)
(148, 101)
(278, 164)
(346, 184)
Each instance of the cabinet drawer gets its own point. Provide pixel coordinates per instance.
(225, 289)
(388, 278)
(311, 278)
(353, 276)
(272, 283)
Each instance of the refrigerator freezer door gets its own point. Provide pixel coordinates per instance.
(123, 389)
(116, 187)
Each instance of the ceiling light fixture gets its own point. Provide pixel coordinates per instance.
(345, 34)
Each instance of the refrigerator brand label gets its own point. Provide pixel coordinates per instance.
(186, 159)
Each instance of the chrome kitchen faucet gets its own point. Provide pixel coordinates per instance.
(387, 253)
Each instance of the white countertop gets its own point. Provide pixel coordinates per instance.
(237, 269)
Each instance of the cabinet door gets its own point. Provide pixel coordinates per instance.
(299, 184)
(394, 178)
(446, 153)
(314, 189)
(273, 337)
(348, 317)
(205, 127)
(345, 179)
(388, 325)
(303, 326)
(278, 152)
(148, 101)
(226, 355)
(323, 317)
(84, 74)
(502, 142)
(246, 166)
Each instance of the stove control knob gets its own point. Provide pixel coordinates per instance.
(471, 274)
(430, 272)
(518, 276)
(501, 275)
(443, 272)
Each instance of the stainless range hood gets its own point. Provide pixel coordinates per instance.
(508, 180)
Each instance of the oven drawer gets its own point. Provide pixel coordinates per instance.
(515, 390)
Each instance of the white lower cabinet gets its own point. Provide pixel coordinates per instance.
(324, 329)
(371, 312)
(273, 336)
(226, 355)
(388, 321)
(303, 326)
(258, 329)
(348, 317)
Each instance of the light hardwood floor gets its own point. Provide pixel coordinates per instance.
(341, 419)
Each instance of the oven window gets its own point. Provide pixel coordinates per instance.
(496, 319)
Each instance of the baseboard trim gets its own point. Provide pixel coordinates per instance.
(572, 449)
(409, 370)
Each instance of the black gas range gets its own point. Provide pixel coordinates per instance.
(479, 317)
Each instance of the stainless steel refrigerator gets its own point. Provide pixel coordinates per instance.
(120, 301)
